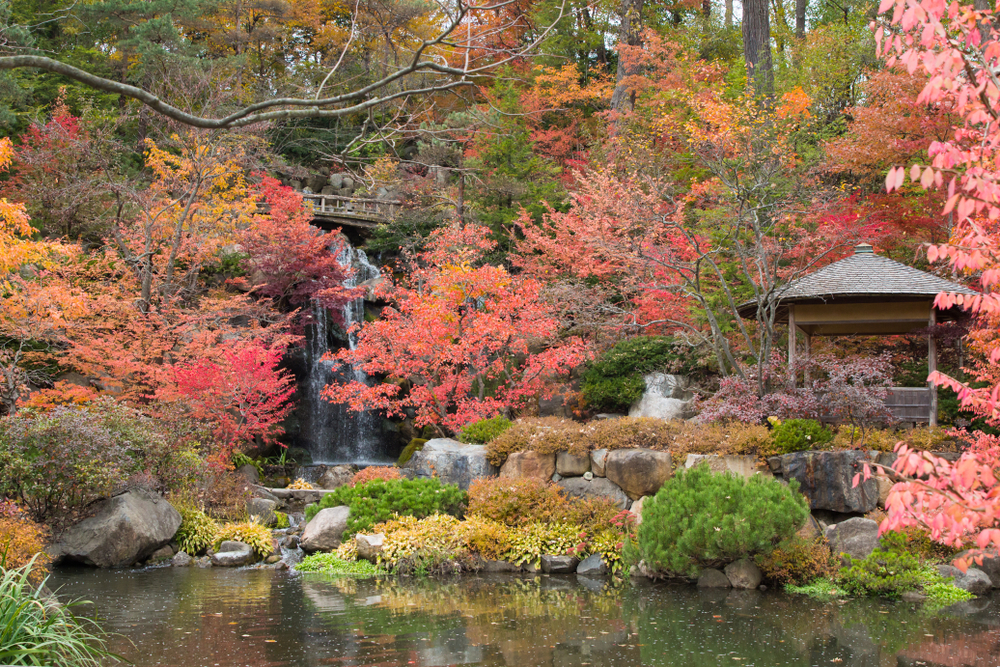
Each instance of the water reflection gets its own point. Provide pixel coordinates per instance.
(229, 618)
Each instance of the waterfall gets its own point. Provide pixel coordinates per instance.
(332, 433)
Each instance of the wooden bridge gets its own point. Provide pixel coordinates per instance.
(330, 210)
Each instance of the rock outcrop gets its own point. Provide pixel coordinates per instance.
(827, 480)
(744, 573)
(855, 537)
(124, 530)
(529, 464)
(233, 554)
(598, 487)
(639, 472)
(451, 461)
(571, 465)
(326, 529)
(666, 397)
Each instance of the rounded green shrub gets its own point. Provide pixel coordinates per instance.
(797, 435)
(381, 500)
(197, 531)
(888, 571)
(484, 430)
(701, 519)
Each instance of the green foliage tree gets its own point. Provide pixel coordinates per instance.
(702, 519)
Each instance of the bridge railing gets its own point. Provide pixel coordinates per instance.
(333, 205)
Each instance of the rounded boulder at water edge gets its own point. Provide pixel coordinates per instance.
(559, 564)
(529, 464)
(233, 554)
(181, 559)
(855, 537)
(124, 530)
(712, 578)
(262, 510)
(326, 529)
(597, 487)
(744, 573)
(973, 580)
(335, 477)
(639, 472)
(987, 560)
(592, 566)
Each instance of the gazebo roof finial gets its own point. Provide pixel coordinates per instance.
(864, 249)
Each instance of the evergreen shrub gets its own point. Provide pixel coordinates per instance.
(484, 430)
(797, 435)
(381, 500)
(613, 381)
(700, 519)
(888, 571)
(798, 561)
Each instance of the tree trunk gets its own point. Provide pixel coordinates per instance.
(630, 33)
(729, 14)
(757, 47)
(706, 8)
(800, 18)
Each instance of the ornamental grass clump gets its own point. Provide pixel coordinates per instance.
(197, 531)
(37, 630)
(381, 500)
(701, 519)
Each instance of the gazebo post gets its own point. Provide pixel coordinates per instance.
(932, 418)
(808, 350)
(791, 344)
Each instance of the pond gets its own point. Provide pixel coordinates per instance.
(261, 618)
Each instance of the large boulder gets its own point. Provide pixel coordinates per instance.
(855, 537)
(559, 564)
(325, 530)
(571, 465)
(529, 464)
(666, 397)
(335, 477)
(598, 487)
(745, 466)
(827, 480)
(124, 530)
(592, 565)
(369, 546)
(744, 573)
(233, 554)
(639, 472)
(451, 461)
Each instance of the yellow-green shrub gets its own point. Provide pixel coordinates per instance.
(197, 532)
(529, 543)
(798, 561)
(251, 533)
(486, 537)
(422, 545)
(21, 539)
(528, 500)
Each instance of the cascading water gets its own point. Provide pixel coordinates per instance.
(330, 432)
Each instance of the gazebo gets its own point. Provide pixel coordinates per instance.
(867, 295)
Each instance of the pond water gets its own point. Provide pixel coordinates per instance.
(258, 618)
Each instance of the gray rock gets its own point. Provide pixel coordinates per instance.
(571, 465)
(559, 564)
(774, 463)
(712, 578)
(181, 559)
(325, 530)
(810, 530)
(744, 466)
(336, 181)
(592, 565)
(233, 554)
(598, 458)
(855, 537)
(204, 561)
(272, 559)
(262, 510)
(290, 542)
(556, 477)
(665, 397)
(529, 464)
(124, 530)
(249, 472)
(744, 573)
(598, 487)
(973, 580)
(913, 596)
(494, 566)
(990, 564)
(164, 553)
(588, 475)
(369, 546)
(335, 477)
(884, 485)
(827, 480)
(261, 492)
(531, 568)
(451, 461)
(639, 472)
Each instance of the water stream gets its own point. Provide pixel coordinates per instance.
(332, 433)
(260, 618)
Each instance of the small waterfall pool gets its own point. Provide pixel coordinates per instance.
(330, 432)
